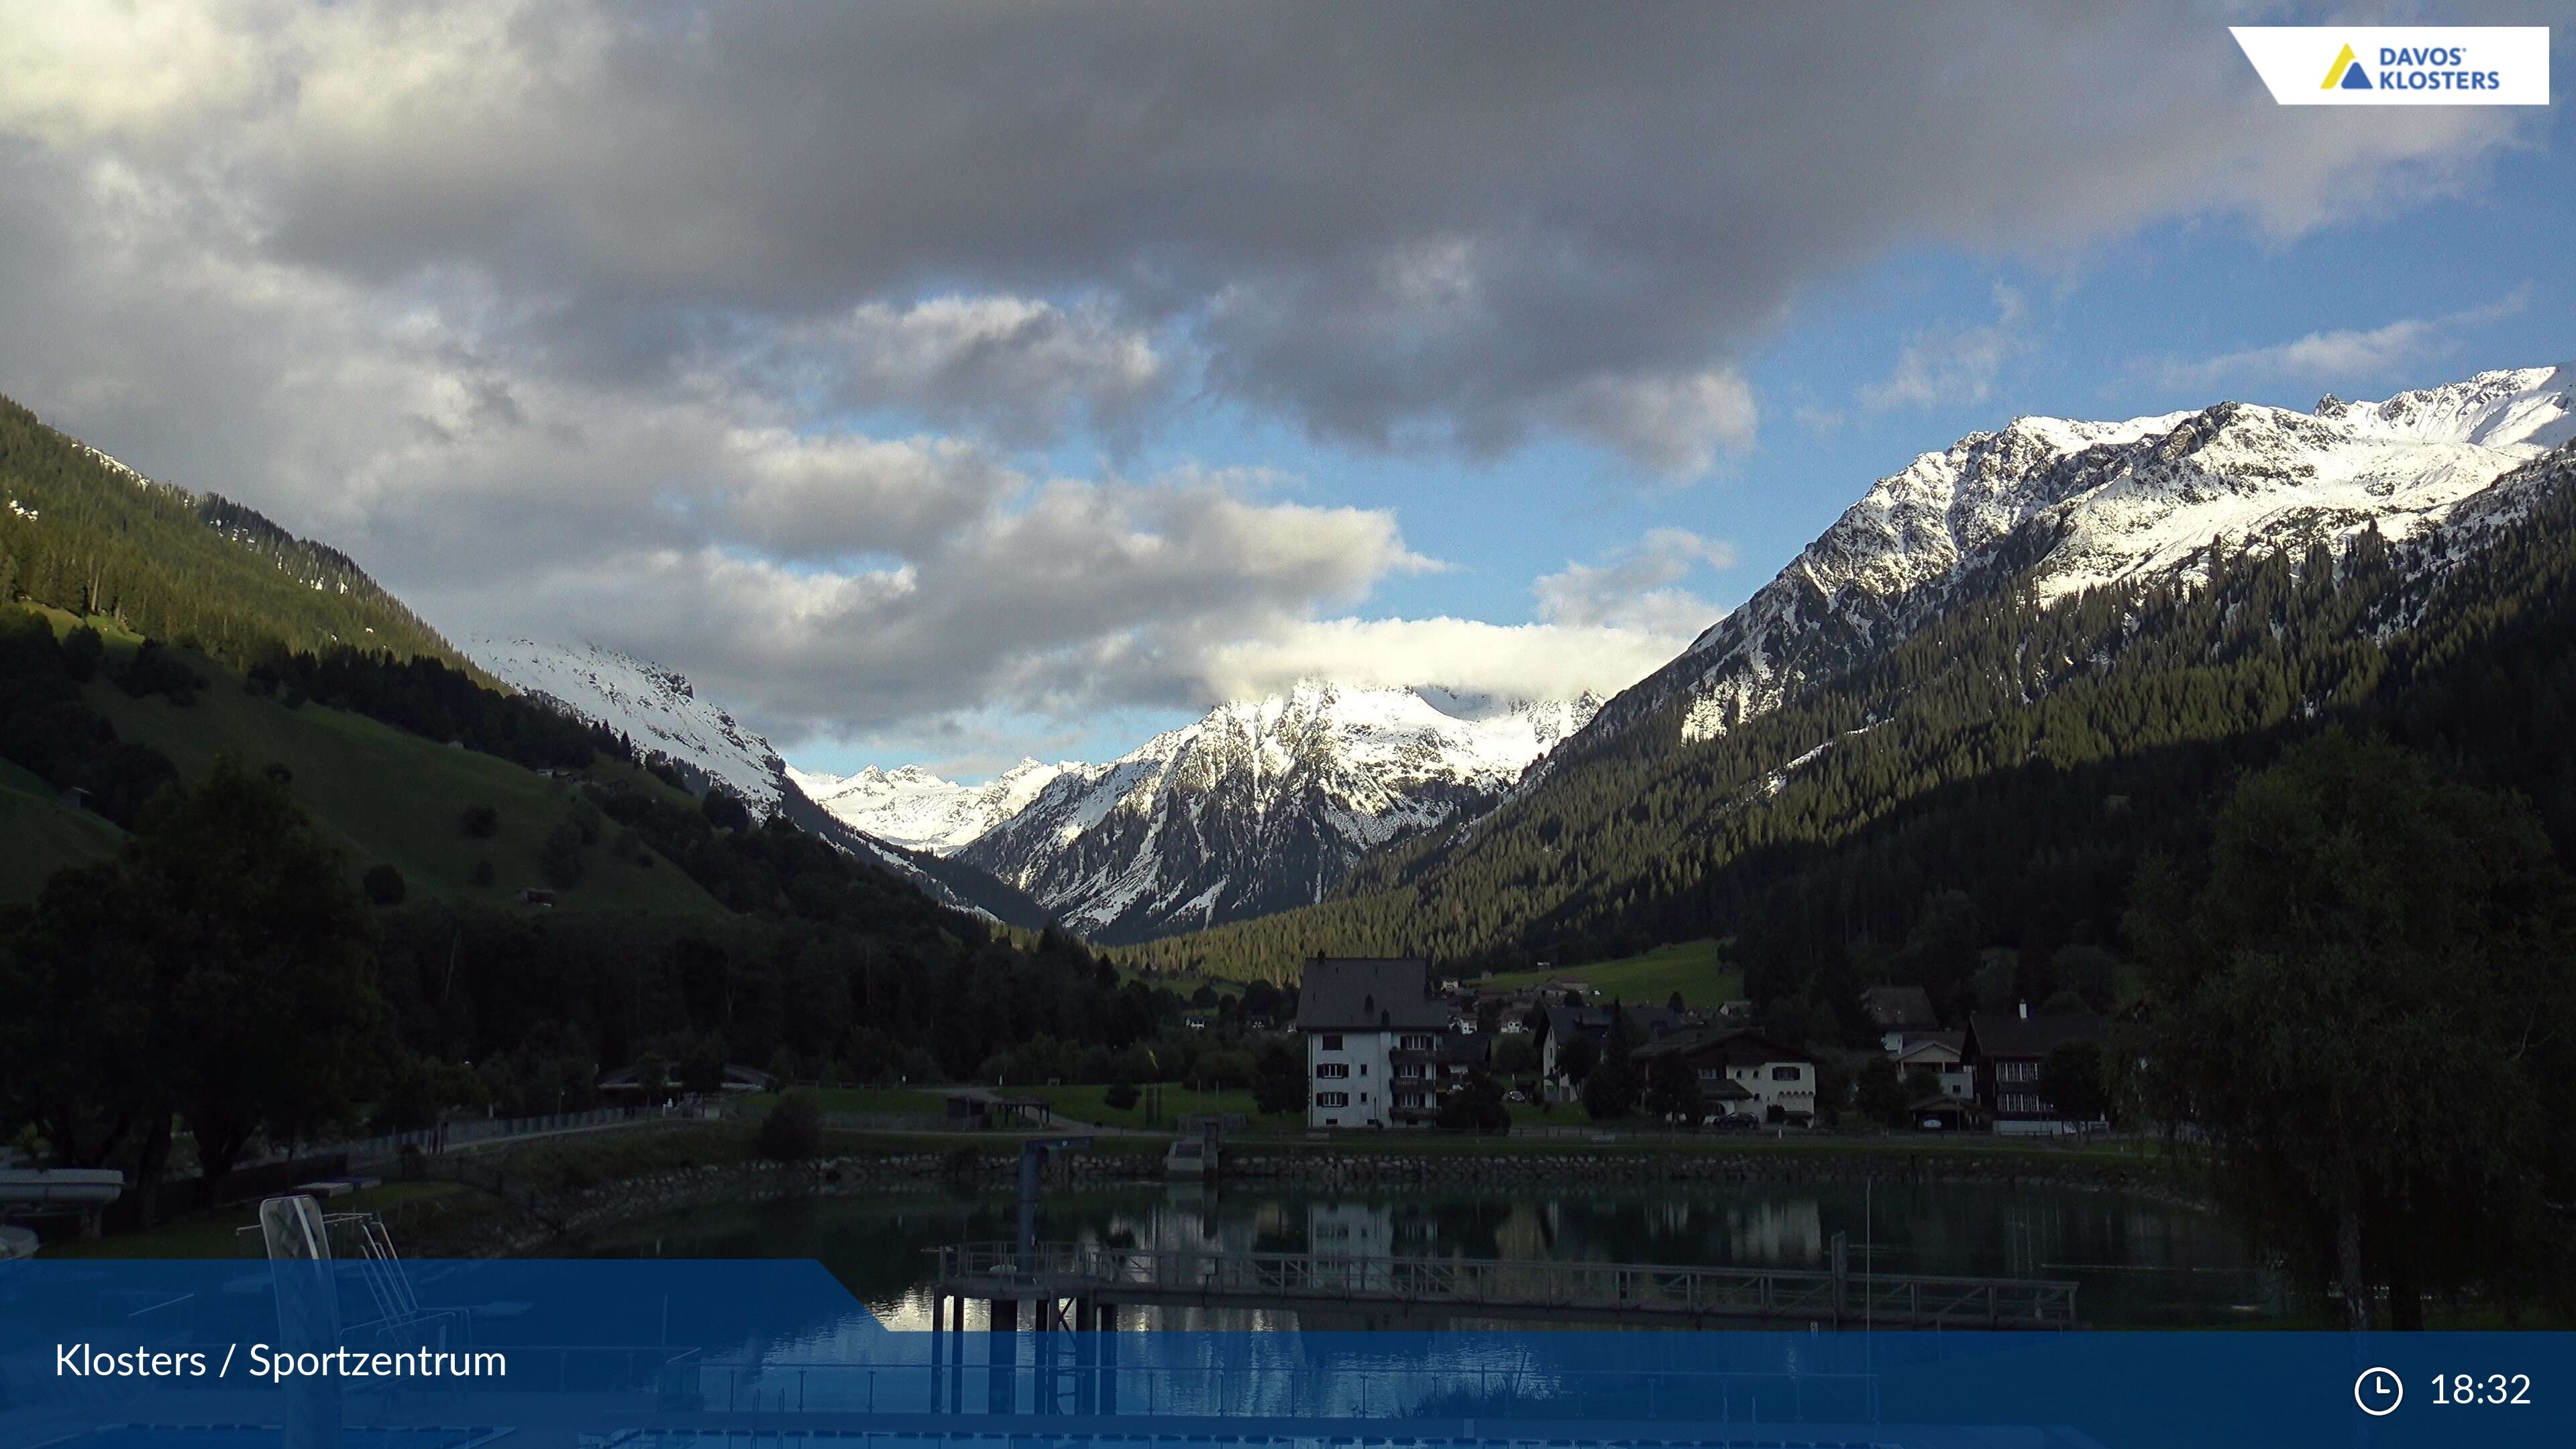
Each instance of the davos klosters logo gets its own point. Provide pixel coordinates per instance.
(2416, 65)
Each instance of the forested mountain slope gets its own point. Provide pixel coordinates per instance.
(88, 535)
(1994, 778)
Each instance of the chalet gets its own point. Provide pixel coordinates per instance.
(1379, 1045)
(1778, 1080)
(1559, 1025)
(536, 896)
(1898, 1014)
(1943, 1054)
(2008, 1052)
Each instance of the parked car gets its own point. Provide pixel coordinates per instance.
(1516, 1096)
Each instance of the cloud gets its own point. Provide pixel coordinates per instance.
(724, 335)
(1634, 591)
(1024, 370)
(1504, 661)
(2342, 357)
(1392, 227)
(1944, 368)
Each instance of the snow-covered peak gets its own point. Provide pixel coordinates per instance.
(654, 707)
(2529, 406)
(2066, 506)
(913, 807)
(1262, 804)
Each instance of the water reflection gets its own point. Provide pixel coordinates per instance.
(2139, 1262)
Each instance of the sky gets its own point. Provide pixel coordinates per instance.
(946, 384)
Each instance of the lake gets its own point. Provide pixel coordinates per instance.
(2141, 1262)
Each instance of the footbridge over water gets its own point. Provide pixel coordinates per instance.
(1081, 1285)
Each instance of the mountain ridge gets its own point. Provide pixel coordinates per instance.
(2062, 505)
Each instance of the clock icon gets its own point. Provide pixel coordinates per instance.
(2378, 1392)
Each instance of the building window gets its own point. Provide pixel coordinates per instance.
(1784, 1074)
(1333, 1043)
(1333, 1069)
(2028, 1102)
(1417, 1043)
(1332, 1099)
(2017, 1071)
(1363, 1099)
(1363, 1069)
(1408, 1069)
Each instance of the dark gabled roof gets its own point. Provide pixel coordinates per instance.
(1731, 1046)
(1999, 1034)
(1368, 993)
(1649, 1023)
(1956, 1041)
(1899, 1008)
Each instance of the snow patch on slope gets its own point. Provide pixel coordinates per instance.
(656, 708)
(917, 809)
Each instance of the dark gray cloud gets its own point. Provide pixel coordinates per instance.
(528, 304)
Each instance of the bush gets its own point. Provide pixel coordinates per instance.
(1122, 1094)
(480, 822)
(155, 670)
(793, 1130)
(484, 875)
(82, 651)
(384, 885)
(1475, 1106)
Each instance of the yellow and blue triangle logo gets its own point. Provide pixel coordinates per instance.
(2346, 72)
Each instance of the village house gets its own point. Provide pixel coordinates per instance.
(1898, 1014)
(1778, 1081)
(1559, 1026)
(1944, 1055)
(2008, 1052)
(1379, 1046)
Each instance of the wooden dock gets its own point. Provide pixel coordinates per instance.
(1070, 1284)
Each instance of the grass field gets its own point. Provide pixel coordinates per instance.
(1090, 1104)
(42, 834)
(380, 794)
(919, 1101)
(421, 1206)
(1696, 969)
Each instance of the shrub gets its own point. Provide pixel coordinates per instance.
(480, 822)
(384, 885)
(793, 1130)
(82, 650)
(1122, 1094)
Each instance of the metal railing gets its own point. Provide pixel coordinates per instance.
(996, 1269)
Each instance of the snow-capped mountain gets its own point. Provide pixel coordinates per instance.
(912, 807)
(656, 708)
(1259, 806)
(660, 712)
(2064, 506)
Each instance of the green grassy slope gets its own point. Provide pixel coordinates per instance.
(39, 834)
(384, 795)
(381, 794)
(1696, 969)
